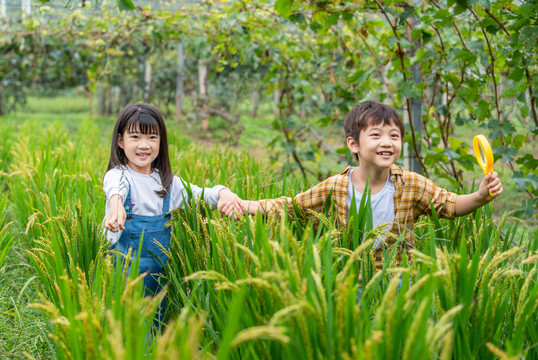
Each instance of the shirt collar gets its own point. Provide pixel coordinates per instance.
(395, 171)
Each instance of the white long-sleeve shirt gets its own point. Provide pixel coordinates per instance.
(145, 200)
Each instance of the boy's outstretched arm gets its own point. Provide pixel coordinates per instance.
(466, 204)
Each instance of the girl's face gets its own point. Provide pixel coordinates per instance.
(140, 149)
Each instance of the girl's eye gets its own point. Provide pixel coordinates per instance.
(375, 134)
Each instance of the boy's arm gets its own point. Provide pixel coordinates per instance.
(466, 204)
(311, 200)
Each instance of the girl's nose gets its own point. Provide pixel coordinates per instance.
(144, 144)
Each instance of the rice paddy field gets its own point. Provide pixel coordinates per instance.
(251, 288)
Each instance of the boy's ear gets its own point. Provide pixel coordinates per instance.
(120, 141)
(352, 145)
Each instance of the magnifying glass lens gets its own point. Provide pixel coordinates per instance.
(483, 154)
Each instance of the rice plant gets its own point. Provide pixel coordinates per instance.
(275, 287)
(6, 236)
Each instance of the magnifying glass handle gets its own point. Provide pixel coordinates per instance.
(490, 193)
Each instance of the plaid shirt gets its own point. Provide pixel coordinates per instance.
(413, 194)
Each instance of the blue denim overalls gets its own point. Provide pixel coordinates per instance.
(152, 257)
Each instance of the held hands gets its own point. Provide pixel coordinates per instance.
(246, 207)
(230, 204)
(117, 215)
(490, 187)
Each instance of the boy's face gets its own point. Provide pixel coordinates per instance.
(379, 146)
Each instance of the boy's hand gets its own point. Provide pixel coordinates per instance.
(116, 215)
(490, 187)
(252, 207)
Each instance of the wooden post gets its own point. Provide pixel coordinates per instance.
(179, 83)
(26, 7)
(255, 101)
(147, 79)
(100, 100)
(202, 91)
(276, 103)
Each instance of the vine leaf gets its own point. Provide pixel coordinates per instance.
(283, 7)
(124, 5)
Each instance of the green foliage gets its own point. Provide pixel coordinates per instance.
(477, 64)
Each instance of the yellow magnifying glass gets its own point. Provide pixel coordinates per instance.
(483, 154)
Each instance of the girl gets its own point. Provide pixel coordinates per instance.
(141, 189)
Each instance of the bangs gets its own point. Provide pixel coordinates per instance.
(389, 121)
(144, 123)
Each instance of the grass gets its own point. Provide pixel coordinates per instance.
(252, 288)
(22, 328)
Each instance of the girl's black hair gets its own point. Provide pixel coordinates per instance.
(149, 120)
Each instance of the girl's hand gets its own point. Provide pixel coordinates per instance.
(116, 217)
(230, 209)
(490, 185)
(229, 203)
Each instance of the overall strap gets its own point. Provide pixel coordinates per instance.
(166, 203)
(127, 203)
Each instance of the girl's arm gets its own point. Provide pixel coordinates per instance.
(215, 197)
(116, 215)
(116, 188)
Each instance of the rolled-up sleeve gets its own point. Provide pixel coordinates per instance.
(428, 194)
(115, 183)
(311, 200)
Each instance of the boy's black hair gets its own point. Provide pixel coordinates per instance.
(370, 113)
(150, 121)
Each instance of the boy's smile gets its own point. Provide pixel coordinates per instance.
(140, 149)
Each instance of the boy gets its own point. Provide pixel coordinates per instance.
(374, 134)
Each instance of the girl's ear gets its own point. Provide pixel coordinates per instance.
(120, 141)
(352, 145)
